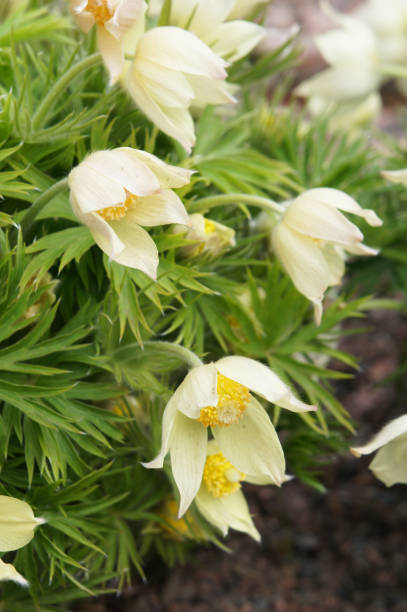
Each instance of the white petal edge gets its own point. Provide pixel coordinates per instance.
(197, 390)
(9, 572)
(389, 432)
(158, 209)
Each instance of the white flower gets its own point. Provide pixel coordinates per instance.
(390, 463)
(244, 8)
(214, 237)
(220, 498)
(217, 396)
(113, 19)
(207, 19)
(173, 70)
(353, 55)
(114, 192)
(311, 236)
(17, 524)
(396, 176)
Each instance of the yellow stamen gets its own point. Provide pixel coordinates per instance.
(220, 476)
(232, 402)
(112, 213)
(100, 11)
(209, 226)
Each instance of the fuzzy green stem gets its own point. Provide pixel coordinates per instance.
(39, 204)
(59, 87)
(190, 358)
(235, 198)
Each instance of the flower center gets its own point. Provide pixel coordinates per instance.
(232, 402)
(112, 213)
(209, 227)
(100, 11)
(220, 476)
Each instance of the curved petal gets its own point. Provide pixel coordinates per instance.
(396, 176)
(111, 51)
(302, 260)
(158, 209)
(340, 83)
(197, 390)
(93, 189)
(17, 523)
(139, 251)
(230, 511)
(335, 259)
(9, 572)
(180, 50)
(312, 217)
(390, 432)
(176, 122)
(168, 87)
(390, 463)
(188, 456)
(252, 444)
(235, 39)
(102, 233)
(125, 16)
(169, 416)
(254, 375)
(341, 200)
(168, 176)
(209, 91)
(290, 402)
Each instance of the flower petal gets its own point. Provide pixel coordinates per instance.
(230, 511)
(342, 201)
(392, 430)
(168, 175)
(252, 445)
(17, 523)
(101, 231)
(210, 91)
(254, 375)
(169, 416)
(188, 456)
(93, 189)
(158, 209)
(139, 251)
(9, 572)
(111, 51)
(302, 260)
(340, 83)
(197, 390)
(235, 39)
(125, 16)
(396, 176)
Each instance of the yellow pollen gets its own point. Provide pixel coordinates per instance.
(220, 476)
(112, 213)
(100, 11)
(232, 402)
(209, 226)
(318, 241)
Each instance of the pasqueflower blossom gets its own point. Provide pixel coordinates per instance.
(390, 463)
(220, 498)
(172, 70)
(231, 40)
(217, 395)
(113, 19)
(17, 524)
(114, 192)
(311, 236)
(213, 237)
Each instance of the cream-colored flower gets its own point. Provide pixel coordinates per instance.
(244, 8)
(173, 70)
(353, 56)
(390, 463)
(17, 524)
(311, 237)
(220, 498)
(114, 192)
(217, 396)
(213, 237)
(208, 19)
(113, 19)
(396, 176)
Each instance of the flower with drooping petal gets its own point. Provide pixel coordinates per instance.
(208, 19)
(214, 238)
(220, 498)
(173, 70)
(113, 19)
(114, 192)
(17, 524)
(311, 237)
(217, 395)
(390, 463)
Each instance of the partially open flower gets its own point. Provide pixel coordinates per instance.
(17, 524)
(220, 498)
(217, 396)
(171, 71)
(213, 237)
(311, 237)
(113, 19)
(390, 463)
(114, 192)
